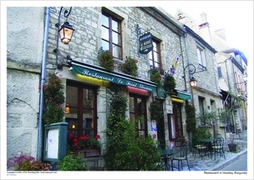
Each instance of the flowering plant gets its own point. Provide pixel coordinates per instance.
(83, 142)
(180, 138)
(53, 100)
(106, 60)
(130, 67)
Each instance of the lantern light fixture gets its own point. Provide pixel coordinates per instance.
(192, 70)
(64, 33)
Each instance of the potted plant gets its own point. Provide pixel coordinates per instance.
(53, 100)
(232, 145)
(130, 66)
(155, 75)
(155, 110)
(169, 83)
(106, 60)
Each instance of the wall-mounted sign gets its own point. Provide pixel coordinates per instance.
(145, 43)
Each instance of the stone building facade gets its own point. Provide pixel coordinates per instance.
(85, 81)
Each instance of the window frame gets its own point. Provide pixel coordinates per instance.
(152, 55)
(201, 55)
(135, 113)
(80, 109)
(112, 17)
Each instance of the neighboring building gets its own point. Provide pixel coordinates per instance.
(232, 73)
(24, 58)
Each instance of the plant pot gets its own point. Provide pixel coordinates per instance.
(232, 147)
(92, 153)
(87, 152)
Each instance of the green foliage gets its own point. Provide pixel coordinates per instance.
(124, 150)
(190, 118)
(155, 75)
(202, 133)
(224, 116)
(156, 110)
(137, 153)
(53, 100)
(106, 60)
(73, 163)
(169, 83)
(130, 67)
(207, 117)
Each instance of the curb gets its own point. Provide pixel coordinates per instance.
(223, 164)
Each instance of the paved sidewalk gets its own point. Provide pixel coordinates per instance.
(207, 163)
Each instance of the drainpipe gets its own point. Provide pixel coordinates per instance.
(187, 57)
(42, 82)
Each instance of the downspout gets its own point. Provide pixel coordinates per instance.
(187, 57)
(42, 82)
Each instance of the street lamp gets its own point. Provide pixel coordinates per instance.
(192, 70)
(64, 33)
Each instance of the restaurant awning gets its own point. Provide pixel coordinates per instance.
(114, 77)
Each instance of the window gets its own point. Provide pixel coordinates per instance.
(154, 56)
(82, 119)
(137, 107)
(201, 56)
(201, 110)
(219, 72)
(177, 111)
(111, 35)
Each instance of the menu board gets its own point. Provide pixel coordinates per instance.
(52, 143)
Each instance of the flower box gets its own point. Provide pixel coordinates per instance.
(92, 153)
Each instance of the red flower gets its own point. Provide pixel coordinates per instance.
(70, 135)
(97, 136)
(75, 140)
(83, 138)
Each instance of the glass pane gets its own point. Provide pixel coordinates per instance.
(131, 104)
(71, 100)
(116, 38)
(105, 45)
(105, 33)
(115, 26)
(105, 20)
(87, 123)
(88, 132)
(157, 65)
(156, 57)
(154, 46)
(88, 98)
(116, 51)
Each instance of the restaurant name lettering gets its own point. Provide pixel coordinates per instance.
(116, 79)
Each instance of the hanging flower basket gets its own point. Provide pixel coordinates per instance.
(106, 60)
(130, 67)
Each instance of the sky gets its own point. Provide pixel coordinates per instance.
(236, 17)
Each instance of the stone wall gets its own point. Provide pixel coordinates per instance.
(86, 40)
(24, 46)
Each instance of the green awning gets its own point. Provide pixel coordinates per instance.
(183, 95)
(114, 77)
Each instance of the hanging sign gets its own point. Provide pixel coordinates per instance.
(145, 43)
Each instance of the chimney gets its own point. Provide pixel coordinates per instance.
(203, 22)
(221, 33)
